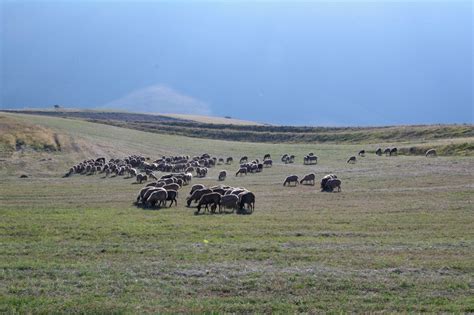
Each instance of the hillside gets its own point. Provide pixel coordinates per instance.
(447, 139)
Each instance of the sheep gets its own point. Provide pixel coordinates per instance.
(267, 156)
(310, 159)
(197, 195)
(393, 151)
(187, 177)
(241, 171)
(158, 196)
(172, 186)
(218, 190)
(229, 160)
(387, 151)
(351, 160)
(325, 179)
(229, 201)
(222, 175)
(238, 191)
(378, 151)
(283, 157)
(361, 153)
(196, 187)
(142, 192)
(309, 178)
(69, 173)
(207, 199)
(201, 171)
(244, 159)
(147, 194)
(132, 172)
(331, 184)
(172, 196)
(268, 163)
(291, 179)
(247, 198)
(221, 161)
(141, 178)
(431, 153)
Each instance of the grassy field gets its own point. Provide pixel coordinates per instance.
(398, 238)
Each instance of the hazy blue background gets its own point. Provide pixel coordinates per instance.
(306, 63)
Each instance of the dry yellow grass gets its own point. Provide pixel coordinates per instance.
(213, 120)
(16, 134)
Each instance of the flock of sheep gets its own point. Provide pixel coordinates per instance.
(210, 198)
(181, 169)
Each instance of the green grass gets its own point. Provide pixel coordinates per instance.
(398, 238)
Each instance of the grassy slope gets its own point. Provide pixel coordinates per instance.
(399, 237)
(450, 139)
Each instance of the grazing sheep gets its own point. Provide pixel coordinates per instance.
(310, 159)
(325, 179)
(379, 151)
(241, 171)
(147, 194)
(218, 190)
(351, 160)
(141, 178)
(229, 201)
(221, 161)
(172, 196)
(331, 184)
(201, 171)
(69, 173)
(284, 157)
(238, 191)
(132, 172)
(291, 179)
(197, 195)
(229, 160)
(243, 159)
(387, 151)
(222, 175)
(309, 178)
(361, 153)
(393, 152)
(196, 187)
(431, 153)
(247, 198)
(268, 163)
(292, 159)
(142, 193)
(172, 186)
(267, 156)
(207, 199)
(158, 196)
